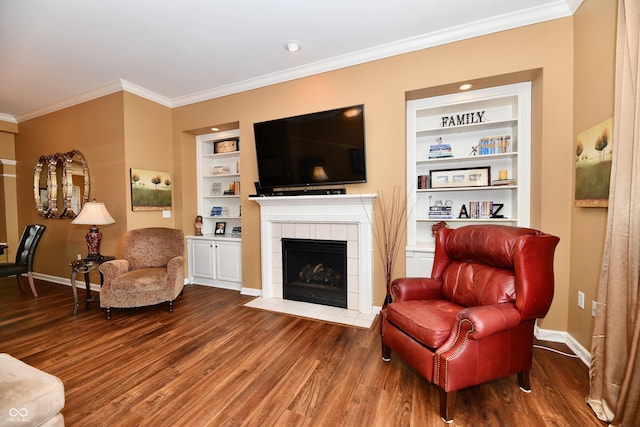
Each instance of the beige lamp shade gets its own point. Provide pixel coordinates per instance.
(93, 213)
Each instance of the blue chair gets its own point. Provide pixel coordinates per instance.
(24, 256)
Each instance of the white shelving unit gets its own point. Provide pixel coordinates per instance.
(461, 120)
(212, 183)
(216, 259)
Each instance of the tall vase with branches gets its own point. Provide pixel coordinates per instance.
(391, 222)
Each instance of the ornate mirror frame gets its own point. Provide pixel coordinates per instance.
(59, 170)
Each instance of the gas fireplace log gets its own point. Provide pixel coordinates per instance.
(318, 274)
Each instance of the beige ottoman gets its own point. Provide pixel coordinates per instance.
(28, 396)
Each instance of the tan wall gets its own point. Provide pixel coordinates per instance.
(382, 86)
(148, 146)
(96, 129)
(594, 87)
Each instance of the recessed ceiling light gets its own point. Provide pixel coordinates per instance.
(465, 86)
(215, 129)
(292, 46)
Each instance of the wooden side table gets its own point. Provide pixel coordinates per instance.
(85, 266)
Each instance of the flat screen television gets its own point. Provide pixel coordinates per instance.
(323, 148)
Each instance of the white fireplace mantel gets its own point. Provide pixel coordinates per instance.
(347, 209)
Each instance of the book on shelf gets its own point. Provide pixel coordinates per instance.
(439, 151)
(440, 212)
(499, 182)
(424, 182)
(481, 210)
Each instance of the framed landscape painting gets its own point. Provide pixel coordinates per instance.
(150, 190)
(594, 153)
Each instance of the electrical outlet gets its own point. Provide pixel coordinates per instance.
(594, 306)
(581, 299)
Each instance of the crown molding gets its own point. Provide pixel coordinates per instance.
(558, 9)
(547, 12)
(101, 91)
(145, 93)
(8, 118)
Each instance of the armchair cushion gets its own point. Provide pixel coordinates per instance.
(141, 280)
(429, 322)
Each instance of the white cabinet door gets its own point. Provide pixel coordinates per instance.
(419, 263)
(229, 261)
(202, 264)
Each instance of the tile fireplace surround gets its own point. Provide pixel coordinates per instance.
(326, 217)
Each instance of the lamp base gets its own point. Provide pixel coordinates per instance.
(94, 236)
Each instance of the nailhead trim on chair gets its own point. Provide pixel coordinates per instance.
(446, 365)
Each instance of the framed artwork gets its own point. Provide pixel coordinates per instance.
(220, 227)
(594, 154)
(150, 190)
(467, 177)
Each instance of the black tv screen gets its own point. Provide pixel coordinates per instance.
(322, 148)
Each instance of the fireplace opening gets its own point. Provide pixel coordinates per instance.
(315, 271)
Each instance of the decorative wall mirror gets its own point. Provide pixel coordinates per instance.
(60, 184)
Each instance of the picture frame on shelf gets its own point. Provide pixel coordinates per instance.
(220, 227)
(456, 178)
(226, 146)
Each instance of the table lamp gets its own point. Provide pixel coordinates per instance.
(93, 214)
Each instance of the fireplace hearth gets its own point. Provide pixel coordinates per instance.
(315, 271)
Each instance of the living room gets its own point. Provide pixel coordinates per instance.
(569, 61)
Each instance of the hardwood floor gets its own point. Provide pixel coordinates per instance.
(213, 362)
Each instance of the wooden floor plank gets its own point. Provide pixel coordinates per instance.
(214, 362)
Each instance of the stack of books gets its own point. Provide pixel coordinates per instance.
(440, 151)
(480, 210)
(221, 170)
(440, 212)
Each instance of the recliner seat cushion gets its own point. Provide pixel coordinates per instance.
(427, 321)
(142, 280)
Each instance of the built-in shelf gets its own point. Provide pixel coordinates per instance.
(456, 124)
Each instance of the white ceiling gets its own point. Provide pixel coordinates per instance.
(57, 53)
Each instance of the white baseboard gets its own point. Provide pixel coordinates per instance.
(67, 281)
(565, 338)
(251, 292)
(79, 281)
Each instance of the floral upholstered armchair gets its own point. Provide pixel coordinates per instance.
(152, 271)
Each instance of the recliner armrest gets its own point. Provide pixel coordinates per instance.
(490, 319)
(415, 288)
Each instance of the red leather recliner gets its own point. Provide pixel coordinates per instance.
(473, 320)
